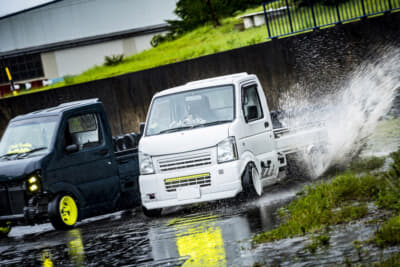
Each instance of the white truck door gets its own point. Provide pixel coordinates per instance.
(256, 134)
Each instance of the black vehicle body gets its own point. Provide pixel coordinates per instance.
(102, 177)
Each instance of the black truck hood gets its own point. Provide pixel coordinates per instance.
(17, 169)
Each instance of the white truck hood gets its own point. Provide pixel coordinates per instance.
(184, 141)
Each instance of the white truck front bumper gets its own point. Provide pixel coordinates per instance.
(183, 187)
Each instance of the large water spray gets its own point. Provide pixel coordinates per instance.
(351, 113)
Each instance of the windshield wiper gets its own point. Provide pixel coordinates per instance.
(32, 151)
(213, 123)
(194, 126)
(175, 129)
(7, 155)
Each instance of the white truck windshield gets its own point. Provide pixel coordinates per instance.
(196, 108)
(28, 136)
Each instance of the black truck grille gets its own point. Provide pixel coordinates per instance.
(12, 200)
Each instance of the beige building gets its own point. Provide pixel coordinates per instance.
(66, 37)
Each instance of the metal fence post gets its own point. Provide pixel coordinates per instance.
(313, 14)
(290, 18)
(390, 5)
(266, 21)
(363, 7)
(337, 11)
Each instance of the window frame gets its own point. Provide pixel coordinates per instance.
(244, 87)
(100, 130)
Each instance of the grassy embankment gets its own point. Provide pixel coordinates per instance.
(203, 41)
(343, 199)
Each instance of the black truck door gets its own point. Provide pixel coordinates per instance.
(87, 161)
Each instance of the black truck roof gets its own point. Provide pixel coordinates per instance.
(58, 110)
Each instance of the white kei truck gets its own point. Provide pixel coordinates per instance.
(213, 139)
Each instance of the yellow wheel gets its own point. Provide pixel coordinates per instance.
(63, 211)
(68, 210)
(5, 229)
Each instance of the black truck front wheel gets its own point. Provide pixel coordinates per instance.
(5, 229)
(63, 211)
(152, 213)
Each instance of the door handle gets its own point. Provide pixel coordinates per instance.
(266, 124)
(103, 151)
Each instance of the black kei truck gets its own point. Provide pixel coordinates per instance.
(62, 165)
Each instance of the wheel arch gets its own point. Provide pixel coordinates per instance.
(59, 188)
(248, 158)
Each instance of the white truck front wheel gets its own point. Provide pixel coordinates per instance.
(251, 181)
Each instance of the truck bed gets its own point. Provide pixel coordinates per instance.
(294, 140)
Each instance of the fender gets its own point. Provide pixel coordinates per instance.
(66, 187)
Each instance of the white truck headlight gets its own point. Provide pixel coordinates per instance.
(226, 150)
(145, 163)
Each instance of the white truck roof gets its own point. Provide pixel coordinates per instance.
(226, 79)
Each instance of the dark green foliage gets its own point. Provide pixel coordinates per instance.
(68, 79)
(318, 241)
(194, 13)
(389, 196)
(393, 261)
(389, 233)
(367, 164)
(113, 60)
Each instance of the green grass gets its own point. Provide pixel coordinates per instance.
(208, 40)
(339, 200)
(389, 233)
(367, 164)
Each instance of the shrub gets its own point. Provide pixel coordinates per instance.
(389, 233)
(113, 60)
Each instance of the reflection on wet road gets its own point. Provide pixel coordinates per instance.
(212, 234)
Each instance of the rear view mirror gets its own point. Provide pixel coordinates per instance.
(142, 124)
(72, 148)
(252, 113)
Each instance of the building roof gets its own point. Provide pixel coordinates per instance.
(86, 41)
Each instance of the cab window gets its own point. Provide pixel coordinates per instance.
(251, 105)
(83, 130)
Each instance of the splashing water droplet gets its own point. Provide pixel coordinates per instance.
(351, 113)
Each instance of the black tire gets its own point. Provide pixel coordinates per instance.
(5, 230)
(55, 215)
(152, 213)
(247, 182)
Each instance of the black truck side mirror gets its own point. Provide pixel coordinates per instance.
(252, 113)
(72, 148)
(142, 124)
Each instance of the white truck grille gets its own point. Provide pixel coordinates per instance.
(188, 161)
(200, 179)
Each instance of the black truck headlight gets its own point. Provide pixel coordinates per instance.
(33, 183)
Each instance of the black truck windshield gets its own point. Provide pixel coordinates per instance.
(191, 109)
(28, 136)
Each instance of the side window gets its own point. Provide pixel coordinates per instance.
(251, 103)
(83, 130)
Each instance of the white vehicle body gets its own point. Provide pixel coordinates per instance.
(208, 160)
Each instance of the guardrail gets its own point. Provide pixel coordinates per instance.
(286, 17)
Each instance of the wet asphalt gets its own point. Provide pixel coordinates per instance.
(207, 234)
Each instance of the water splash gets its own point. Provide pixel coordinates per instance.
(351, 113)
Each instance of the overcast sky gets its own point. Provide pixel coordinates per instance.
(12, 6)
